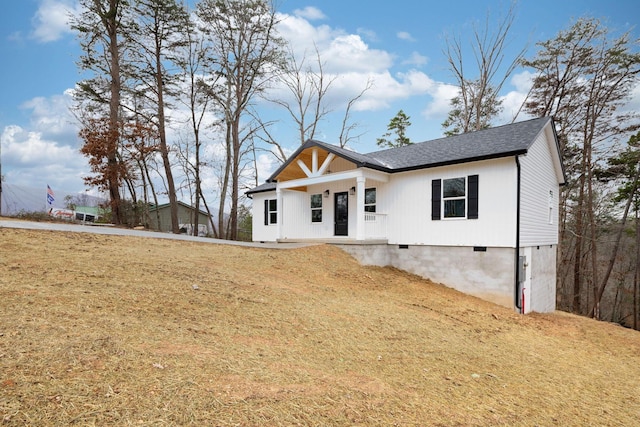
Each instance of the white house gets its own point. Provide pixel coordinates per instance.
(477, 212)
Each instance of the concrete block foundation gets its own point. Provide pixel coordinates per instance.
(487, 273)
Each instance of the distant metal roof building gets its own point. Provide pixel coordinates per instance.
(186, 214)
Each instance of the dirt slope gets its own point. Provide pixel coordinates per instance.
(107, 330)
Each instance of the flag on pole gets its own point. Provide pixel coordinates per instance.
(50, 196)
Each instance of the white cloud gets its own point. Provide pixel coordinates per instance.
(511, 108)
(512, 100)
(441, 94)
(30, 160)
(385, 88)
(352, 62)
(405, 85)
(23, 148)
(404, 35)
(351, 53)
(51, 116)
(310, 13)
(51, 21)
(47, 149)
(342, 52)
(633, 100)
(368, 34)
(416, 60)
(302, 35)
(523, 81)
(266, 164)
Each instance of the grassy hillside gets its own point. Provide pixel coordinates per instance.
(106, 330)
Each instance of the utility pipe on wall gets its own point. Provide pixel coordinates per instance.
(516, 262)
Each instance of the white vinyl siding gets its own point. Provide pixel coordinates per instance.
(261, 232)
(539, 196)
(298, 222)
(408, 198)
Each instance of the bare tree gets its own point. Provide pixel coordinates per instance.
(307, 86)
(198, 97)
(477, 102)
(156, 33)
(139, 147)
(245, 51)
(583, 77)
(348, 126)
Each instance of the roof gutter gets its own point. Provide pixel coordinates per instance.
(516, 263)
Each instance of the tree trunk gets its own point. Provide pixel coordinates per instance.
(636, 280)
(211, 222)
(225, 180)
(577, 261)
(616, 246)
(164, 149)
(235, 180)
(153, 193)
(110, 21)
(196, 220)
(592, 225)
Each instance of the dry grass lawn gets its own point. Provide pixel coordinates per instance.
(109, 330)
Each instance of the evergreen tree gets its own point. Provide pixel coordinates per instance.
(101, 28)
(583, 79)
(398, 126)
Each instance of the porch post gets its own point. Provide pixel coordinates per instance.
(360, 229)
(280, 213)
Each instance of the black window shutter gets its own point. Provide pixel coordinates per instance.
(266, 212)
(436, 195)
(472, 205)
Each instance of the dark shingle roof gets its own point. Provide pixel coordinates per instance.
(496, 142)
(501, 141)
(267, 186)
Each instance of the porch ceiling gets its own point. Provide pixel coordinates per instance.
(332, 177)
(293, 170)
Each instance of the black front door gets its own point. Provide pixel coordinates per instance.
(341, 215)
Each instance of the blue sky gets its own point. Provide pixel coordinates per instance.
(397, 45)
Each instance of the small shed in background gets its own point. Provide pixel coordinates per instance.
(186, 219)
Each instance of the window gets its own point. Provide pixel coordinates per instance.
(270, 211)
(550, 207)
(316, 208)
(370, 200)
(454, 198)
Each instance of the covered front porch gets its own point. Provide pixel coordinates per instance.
(342, 207)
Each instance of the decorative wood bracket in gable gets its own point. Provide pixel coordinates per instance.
(315, 170)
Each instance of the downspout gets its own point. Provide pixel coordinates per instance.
(516, 262)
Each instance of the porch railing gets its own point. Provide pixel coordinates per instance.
(375, 225)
